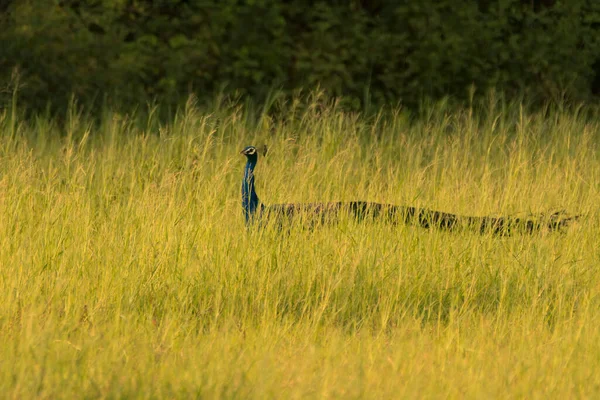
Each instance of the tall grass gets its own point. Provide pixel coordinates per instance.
(126, 270)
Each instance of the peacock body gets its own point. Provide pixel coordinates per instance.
(323, 213)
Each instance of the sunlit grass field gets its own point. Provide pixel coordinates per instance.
(126, 270)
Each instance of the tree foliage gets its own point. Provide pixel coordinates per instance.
(379, 51)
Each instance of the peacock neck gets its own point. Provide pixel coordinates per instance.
(249, 198)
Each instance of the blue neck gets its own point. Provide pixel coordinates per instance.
(249, 198)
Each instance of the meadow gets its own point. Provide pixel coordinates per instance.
(126, 270)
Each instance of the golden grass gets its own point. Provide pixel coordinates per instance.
(127, 271)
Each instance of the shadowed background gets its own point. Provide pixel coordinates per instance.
(371, 53)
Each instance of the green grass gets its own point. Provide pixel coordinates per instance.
(126, 270)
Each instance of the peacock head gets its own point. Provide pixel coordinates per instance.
(251, 153)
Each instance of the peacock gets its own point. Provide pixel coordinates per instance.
(254, 211)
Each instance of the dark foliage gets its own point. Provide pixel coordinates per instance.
(369, 52)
